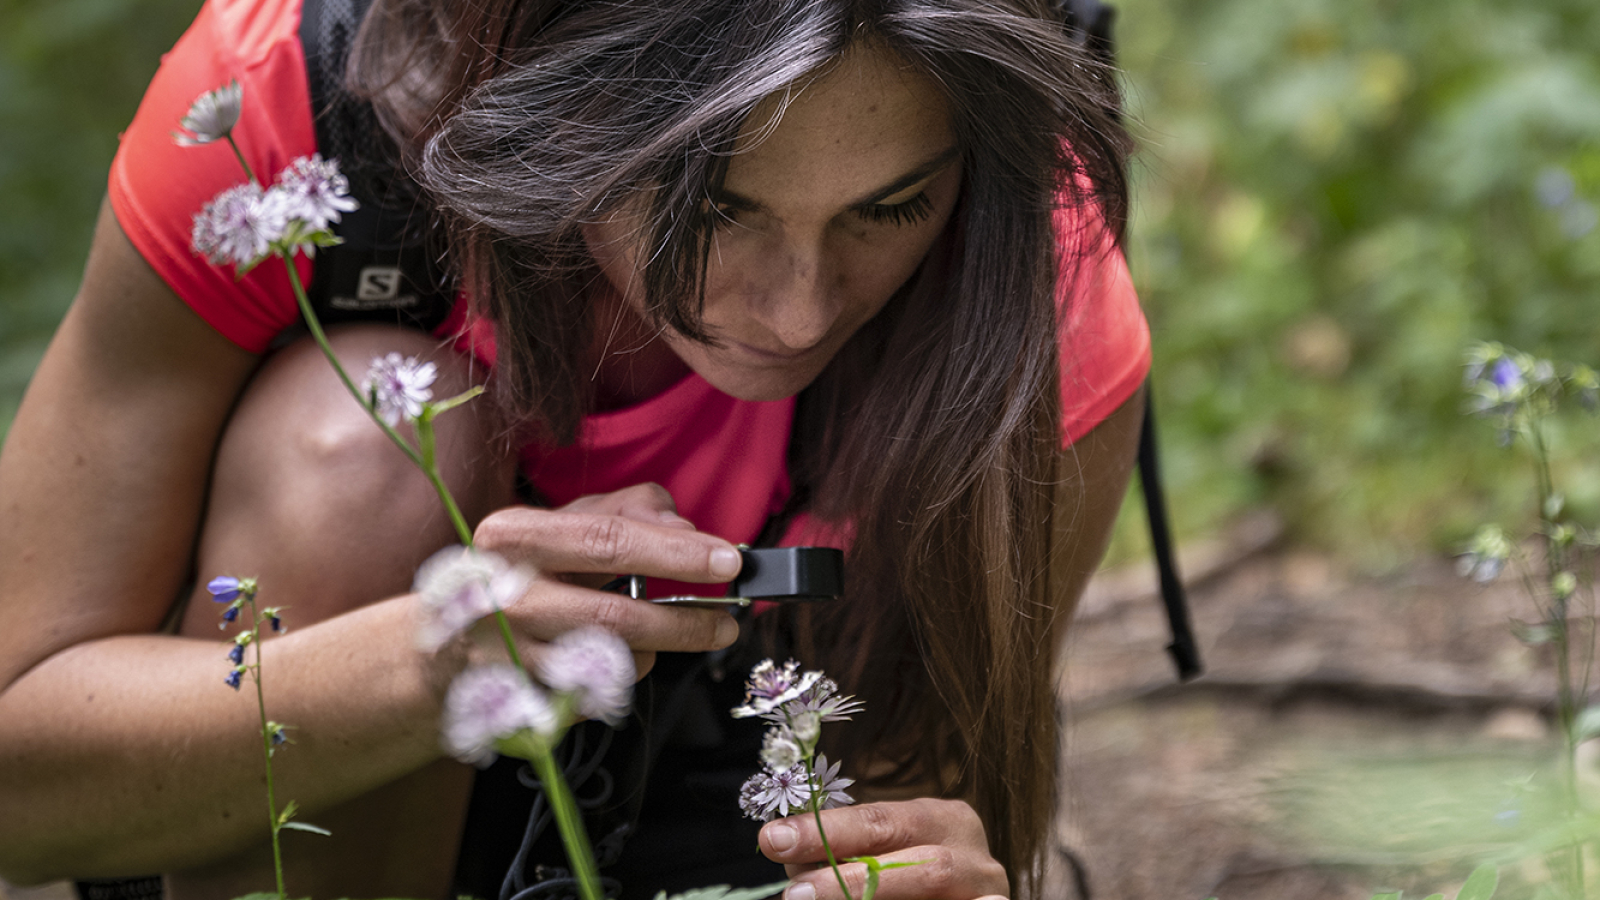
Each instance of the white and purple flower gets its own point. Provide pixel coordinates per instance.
(595, 667)
(398, 386)
(829, 785)
(459, 586)
(780, 749)
(212, 116)
(238, 226)
(771, 686)
(314, 193)
(772, 795)
(489, 704)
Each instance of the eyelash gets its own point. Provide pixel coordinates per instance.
(907, 212)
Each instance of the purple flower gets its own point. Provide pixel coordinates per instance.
(489, 703)
(212, 116)
(771, 686)
(274, 620)
(593, 665)
(822, 700)
(771, 795)
(459, 586)
(314, 193)
(830, 785)
(231, 613)
(398, 387)
(238, 226)
(236, 655)
(1506, 374)
(233, 678)
(277, 734)
(227, 589)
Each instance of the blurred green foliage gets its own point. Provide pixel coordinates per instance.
(71, 74)
(1333, 198)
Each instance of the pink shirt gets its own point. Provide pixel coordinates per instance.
(722, 459)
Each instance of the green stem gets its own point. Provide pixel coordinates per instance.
(1566, 701)
(248, 172)
(816, 813)
(266, 747)
(570, 823)
(425, 439)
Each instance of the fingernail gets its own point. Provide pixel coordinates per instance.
(800, 891)
(781, 838)
(727, 633)
(725, 562)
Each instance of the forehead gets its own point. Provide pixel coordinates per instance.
(859, 124)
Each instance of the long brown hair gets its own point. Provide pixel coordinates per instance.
(936, 431)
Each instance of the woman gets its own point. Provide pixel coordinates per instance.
(678, 218)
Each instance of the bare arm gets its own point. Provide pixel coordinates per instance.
(121, 752)
(103, 477)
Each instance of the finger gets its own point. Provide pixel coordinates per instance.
(873, 829)
(551, 608)
(560, 542)
(924, 873)
(649, 502)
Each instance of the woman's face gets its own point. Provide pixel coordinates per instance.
(827, 209)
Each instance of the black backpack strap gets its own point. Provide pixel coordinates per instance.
(387, 269)
(1185, 652)
(1090, 22)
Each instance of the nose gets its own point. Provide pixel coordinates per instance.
(798, 301)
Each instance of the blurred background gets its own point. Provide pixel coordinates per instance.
(1332, 199)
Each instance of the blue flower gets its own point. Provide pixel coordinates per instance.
(233, 678)
(231, 613)
(236, 655)
(1506, 374)
(225, 589)
(278, 737)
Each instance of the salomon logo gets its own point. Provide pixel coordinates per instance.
(377, 287)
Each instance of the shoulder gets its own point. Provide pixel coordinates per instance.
(156, 187)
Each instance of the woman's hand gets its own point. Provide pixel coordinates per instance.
(578, 547)
(944, 836)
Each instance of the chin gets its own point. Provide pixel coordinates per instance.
(757, 386)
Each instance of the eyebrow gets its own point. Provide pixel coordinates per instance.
(926, 170)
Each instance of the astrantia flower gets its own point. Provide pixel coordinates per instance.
(771, 795)
(770, 686)
(399, 386)
(459, 586)
(780, 749)
(238, 226)
(490, 703)
(314, 193)
(595, 667)
(212, 116)
(830, 785)
(822, 699)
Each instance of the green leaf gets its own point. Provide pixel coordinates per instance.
(289, 809)
(723, 892)
(303, 826)
(1434, 897)
(1481, 883)
(259, 895)
(1392, 896)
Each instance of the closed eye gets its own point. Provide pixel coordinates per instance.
(907, 212)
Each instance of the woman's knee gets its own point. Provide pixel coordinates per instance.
(310, 496)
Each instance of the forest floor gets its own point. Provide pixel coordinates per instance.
(1351, 732)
